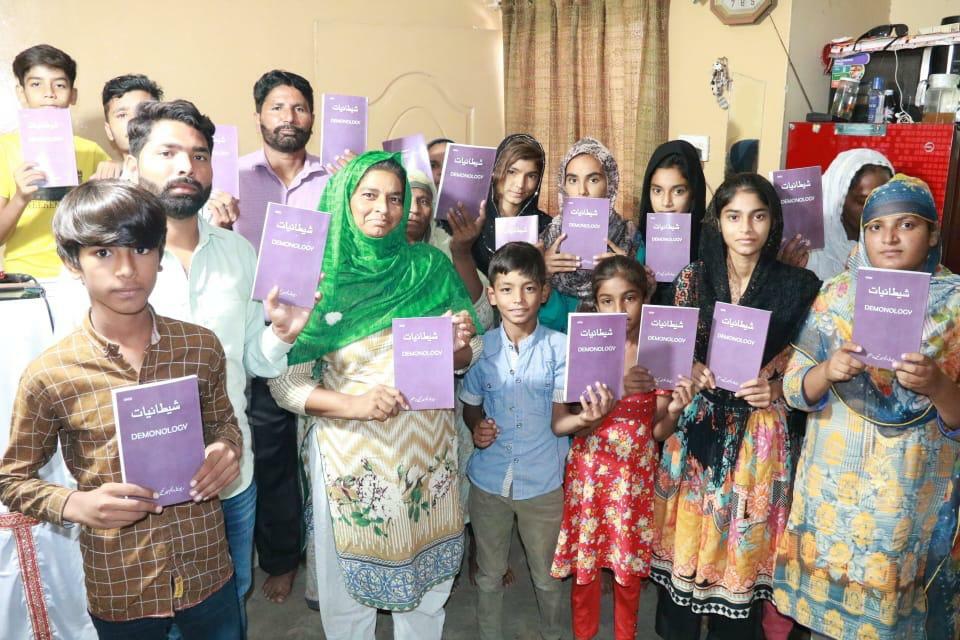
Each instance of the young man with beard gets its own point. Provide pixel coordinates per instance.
(283, 172)
(207, 278)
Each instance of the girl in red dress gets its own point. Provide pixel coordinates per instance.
(608, 488)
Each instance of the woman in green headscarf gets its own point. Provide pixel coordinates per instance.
(388, 525)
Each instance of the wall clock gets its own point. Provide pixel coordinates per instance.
(733, 12)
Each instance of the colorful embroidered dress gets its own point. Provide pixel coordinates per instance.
(608, 496)
(876, 473)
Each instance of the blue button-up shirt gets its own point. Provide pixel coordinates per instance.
(517, 387)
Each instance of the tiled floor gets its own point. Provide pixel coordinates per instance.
(294, 621)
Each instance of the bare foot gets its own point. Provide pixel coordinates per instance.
(508, 578)
(277, 588)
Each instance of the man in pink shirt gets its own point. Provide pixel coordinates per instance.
(281, 171)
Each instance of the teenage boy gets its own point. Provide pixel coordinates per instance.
(517, 469)
(121, 96)
(45, 78)
(145, 567)
(207, 278)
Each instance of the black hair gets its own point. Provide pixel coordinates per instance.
(278, 78)
(391, 166)
(675, 161)
(44, 54)
(618, 266)
(108, 213)
(122, 85)
(518, 256)
(439, 141)
(868, 168)
(148, 113)
(761, 187)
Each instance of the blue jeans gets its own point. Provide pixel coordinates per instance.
(239, 513)
(238, 517)
(216, 618)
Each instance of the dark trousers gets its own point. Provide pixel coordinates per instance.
(675, 622)
(276, 468)
(216, 618)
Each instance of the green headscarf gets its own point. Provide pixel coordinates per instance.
(370, 281)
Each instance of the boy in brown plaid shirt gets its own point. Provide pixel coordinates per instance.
(146, 567)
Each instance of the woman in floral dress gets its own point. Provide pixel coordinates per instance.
(388, 526)
(723, 486)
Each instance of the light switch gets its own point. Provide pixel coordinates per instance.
(702, 143)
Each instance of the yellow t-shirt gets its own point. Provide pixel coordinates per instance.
(31, 248)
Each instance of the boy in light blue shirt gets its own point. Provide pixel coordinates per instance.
(510, 398)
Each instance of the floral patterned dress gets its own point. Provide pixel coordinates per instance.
(608, 496)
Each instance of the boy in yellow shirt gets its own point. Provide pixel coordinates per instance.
(45, 78)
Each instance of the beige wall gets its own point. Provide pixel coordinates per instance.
(697, 38)
(922, 13)
(212, 51)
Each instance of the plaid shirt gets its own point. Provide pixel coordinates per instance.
(164, 562)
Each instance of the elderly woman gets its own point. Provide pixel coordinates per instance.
(388, 525)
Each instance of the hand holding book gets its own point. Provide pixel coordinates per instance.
(112, 505)
(221, 466)
(921, 374)
(558, 261)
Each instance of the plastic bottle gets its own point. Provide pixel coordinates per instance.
(875, 101)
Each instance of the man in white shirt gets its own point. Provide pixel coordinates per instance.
(207, 278)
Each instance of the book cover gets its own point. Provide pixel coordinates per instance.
(467, 171)
(585, 222)
(159, 431)
(46, 139)
(801, 196)
(291, 254)
(414, 151)
(668, 337)
(423, 361)
(225, 159)
(888, 314)
(515, 229)
(668, 244)
(343, 125)
(737, 338)
(595, 345)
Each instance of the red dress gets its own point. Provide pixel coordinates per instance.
(608, 496)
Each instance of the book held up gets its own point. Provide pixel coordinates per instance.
(343, 126)
(595, 346)
(888, 314)
(291, 254)
(467, 172)
(423, 361)
(738, 336)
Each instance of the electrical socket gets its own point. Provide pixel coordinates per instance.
(702, 143)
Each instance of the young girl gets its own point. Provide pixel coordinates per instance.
(722, 486)
(608, 489)
(587, 170)
(881, 448)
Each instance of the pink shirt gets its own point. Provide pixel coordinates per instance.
(260, 185)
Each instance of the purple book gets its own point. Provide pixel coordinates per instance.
(801, 196)
(343, 125)
(46, 139)
(668, 244)
(586, 222)
(160, 436)
(291, 254)
(515, 229)
(595, 346)
(888, 314)
(423, 361)
(414, 150)
(668, 336)
(467, 171)
(226, 152)
(737, 338)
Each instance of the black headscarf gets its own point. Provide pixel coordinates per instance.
(787, 292)
(691, 168)
(485, 244)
